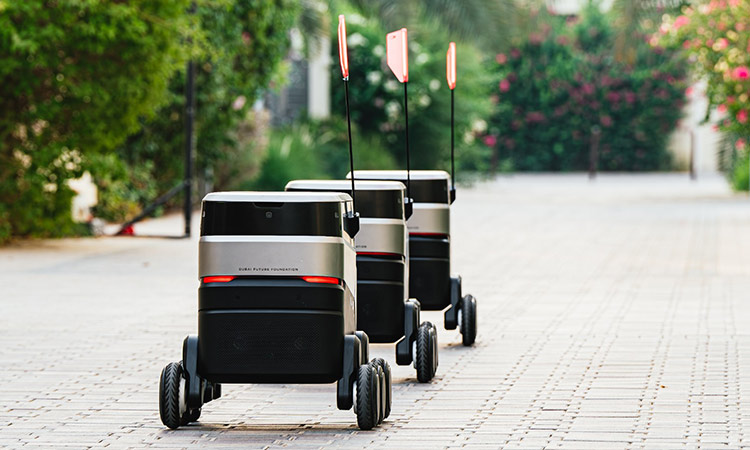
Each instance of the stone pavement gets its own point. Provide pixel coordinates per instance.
(610, 316)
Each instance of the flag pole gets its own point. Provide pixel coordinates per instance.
(450, 76)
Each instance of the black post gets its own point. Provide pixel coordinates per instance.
(594, 151)
(351, 153)
(189, 121)
(408, 167)
(453, 146)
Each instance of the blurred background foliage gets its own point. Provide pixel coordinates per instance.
(564, 79)
(99, 87)
(76, 78)
(715, 36)
(377, 98)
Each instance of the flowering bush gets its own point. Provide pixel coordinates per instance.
(716, 36)
(563, 80)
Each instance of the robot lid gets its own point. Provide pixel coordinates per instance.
(277, 197)
(415, 175)
(427, 186)
(345, 185)
(375, 199)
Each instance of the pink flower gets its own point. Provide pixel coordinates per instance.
(515, 53)
(680, 22)
(613, 97)
(535, 117)
(501, 58)
(606, 121)
(239, 102)
(741, 73)
(742, 116)
(740, 144)
(721, 44)
(689, 91)
(245, 37)
(504, 85)
(490, 140)
(722, 108)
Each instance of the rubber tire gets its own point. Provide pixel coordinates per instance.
(381, 390)
(191, 416)
(367, 400)
(425, 357)
(435, 361)
(468, 320)
(169, 395)
(388, 399)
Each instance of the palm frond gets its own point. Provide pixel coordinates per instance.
(313, 22)
(489, 24)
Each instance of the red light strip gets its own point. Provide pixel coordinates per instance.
(218, 279)
(324, 280)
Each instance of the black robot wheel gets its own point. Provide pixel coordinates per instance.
(468, 320)
(190, 416)
(434, 337)
(387, 398)
(381, 389)
(172, 405)
(367, 397)
(426, 361)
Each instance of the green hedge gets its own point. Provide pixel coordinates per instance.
(74, 80)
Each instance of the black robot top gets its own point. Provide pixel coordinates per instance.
(427, 186)
(375, 199)
(274, 213)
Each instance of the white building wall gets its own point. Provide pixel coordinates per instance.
(319, 81)
(706, 138)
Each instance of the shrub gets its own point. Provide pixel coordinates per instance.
(122, 189)
(716, 37)
(241, 46)
(740, 174)
(75, 77)
(316, 150)
(563, 79)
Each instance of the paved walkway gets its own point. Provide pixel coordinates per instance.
(612, 314)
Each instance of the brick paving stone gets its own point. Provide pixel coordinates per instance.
(611, 315)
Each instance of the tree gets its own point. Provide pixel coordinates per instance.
(490, 24)
(377, 97)
(75, 77)
(242, 45)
